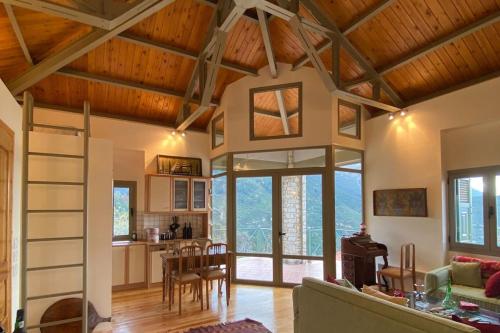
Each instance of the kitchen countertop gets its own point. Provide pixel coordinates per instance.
(142, 242)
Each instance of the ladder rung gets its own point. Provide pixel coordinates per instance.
(33, 298)
(55, 155)
(52, 239)
(39, 182)
(65, 128)
(55, 323)
(35, 211)
(53, 267)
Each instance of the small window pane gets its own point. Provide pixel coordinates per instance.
(469, 210)
(121, 211)
(285, 159)
(349, 119)
(348, 159)
(254, 268)
(218, 131)
(276, 111)
(219, 165)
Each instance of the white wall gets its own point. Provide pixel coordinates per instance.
(11, 115)
(407, 153)
(129, 165)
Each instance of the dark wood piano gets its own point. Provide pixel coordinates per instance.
(358, 259)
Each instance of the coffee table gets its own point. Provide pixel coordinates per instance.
(432, 305)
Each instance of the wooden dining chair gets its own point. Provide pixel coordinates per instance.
(217, 266)
(190, 268)
(405, 270)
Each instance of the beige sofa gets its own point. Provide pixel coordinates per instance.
(321, 307)
(436, 282)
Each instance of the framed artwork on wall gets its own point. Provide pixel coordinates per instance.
(410, 202)
(179, 166)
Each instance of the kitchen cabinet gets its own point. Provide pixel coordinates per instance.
(155, 271)
(159, 189)
(129, 266)
(199, 194)
(180, 194)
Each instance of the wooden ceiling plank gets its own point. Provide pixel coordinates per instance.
(125, 84)
(325, 45)
(266, 36)
(182, 52)
(346, 44)
(75, 50)
(365, 17)
(17, 31)
(283, 113)
(62, 11)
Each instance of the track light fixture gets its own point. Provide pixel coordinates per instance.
(402, 113)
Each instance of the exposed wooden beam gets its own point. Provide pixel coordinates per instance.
(336, 61)
(311, 52)
(183, 53)
(437, 44)
(323, 46)
(351, 97)
(326, 21)
(76, 50)
(266, 36)
(275, 115)
(367, 16)
(61, 11)
(462, 85)
(17, 31)
(108, 115)
(68, 72)
(124, 14)
(283, 113)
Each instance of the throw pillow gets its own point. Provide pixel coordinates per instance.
(493, 286)
(466, 274)
(331, 279)
(488, 267)
(375, 293)
(483, 327)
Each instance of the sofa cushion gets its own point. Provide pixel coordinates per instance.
(493, 286)
(488, 267)
(466, 274)
(471, 294)
(396, 300)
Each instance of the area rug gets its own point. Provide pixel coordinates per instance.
(242, 326)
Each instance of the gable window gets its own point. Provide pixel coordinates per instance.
(218, 131)
(349, 119)
(124, 203)
(474, 210)
(276, 111)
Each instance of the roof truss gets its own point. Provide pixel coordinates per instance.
(17, 31)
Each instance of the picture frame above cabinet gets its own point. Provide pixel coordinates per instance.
(159, 193)
(180, 194)
(199, 194)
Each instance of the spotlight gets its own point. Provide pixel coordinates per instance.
(391, 116)
(183, 134)
(403, 113)
(174, 132)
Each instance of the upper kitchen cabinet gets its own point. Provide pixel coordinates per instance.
(159, 193)
(199, 194)
(180, 194)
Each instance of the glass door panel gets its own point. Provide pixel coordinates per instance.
(254, 230)
(469, 210)
(301, 227)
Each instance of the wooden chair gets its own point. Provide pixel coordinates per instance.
(405, 270)
(216, 268)
(190, 269)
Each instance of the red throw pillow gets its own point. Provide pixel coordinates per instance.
(331, 279)
(483, 327)
(493, 286)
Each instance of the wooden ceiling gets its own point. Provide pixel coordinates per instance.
(129, 77)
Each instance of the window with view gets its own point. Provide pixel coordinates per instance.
(474, 200)
(123, 209)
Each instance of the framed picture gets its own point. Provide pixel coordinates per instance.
(410, 202)
(181, 166)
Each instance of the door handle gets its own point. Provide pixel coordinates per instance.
(491, 212)
(281, 234)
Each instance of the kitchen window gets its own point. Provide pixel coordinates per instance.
(474, 210)
(124, 208)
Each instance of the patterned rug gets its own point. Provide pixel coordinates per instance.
(242, 326)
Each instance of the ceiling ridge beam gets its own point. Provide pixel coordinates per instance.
(61, 11)
(266, 36)
(18, 32)
(75, 50)
(316, 11)
(68, 72)
(367, 16)
(183, 52)
(283, 113)
(435, 45)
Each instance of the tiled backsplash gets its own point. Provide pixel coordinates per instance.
(163, 221)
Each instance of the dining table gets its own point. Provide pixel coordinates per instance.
(170, 265)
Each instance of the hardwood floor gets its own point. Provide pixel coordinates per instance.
(142, 310)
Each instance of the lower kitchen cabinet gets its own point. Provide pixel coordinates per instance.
(129, 266)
